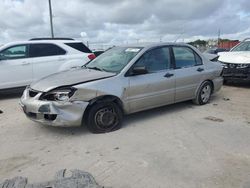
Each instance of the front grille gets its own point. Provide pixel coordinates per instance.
(235, 66)
(236, 71)
(31, 115)
(33, 93)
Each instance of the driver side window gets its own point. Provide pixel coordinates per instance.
(155, 60)
(14, 52)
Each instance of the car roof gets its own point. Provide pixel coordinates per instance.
(156, 44)
(42, 41)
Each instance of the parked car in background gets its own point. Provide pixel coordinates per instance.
(122, 80)
(212, 53)
(98, 52)
(236, 63)
(24, 62)
(216, 50)
(211, 57)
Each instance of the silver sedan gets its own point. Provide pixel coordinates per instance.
(123, 80)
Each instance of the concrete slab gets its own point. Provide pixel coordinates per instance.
(180, 145)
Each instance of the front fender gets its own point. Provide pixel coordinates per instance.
(84, 94)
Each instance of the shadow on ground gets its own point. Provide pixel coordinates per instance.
(138, 117)
(10, 95)
(240, 85)
(65, 131)
(129, 120)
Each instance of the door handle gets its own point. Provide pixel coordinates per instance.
(168, 75)
(61, 59)
(200, 69)
(25, 63)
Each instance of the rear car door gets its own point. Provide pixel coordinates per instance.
(189, 71)
(157, 87)
(47, 59)
(15, 67)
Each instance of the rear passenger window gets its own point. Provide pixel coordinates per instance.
(185, 57)
(155, 60)
(79, 46)
(41, 50)
(198, 59)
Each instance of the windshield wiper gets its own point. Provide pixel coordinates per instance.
(95, 68)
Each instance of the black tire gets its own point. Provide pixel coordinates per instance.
(104, 117)
(204, 93)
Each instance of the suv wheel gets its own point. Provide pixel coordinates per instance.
(104, 117)
(204, 94)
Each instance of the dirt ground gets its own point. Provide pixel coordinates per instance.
(180, 145)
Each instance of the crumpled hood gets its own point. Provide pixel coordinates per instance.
(69, 77)
(235, 57)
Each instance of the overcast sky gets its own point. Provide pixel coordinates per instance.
(125, 21)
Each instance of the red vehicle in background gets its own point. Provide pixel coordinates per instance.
(228, 44)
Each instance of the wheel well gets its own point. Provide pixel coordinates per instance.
(104, 98)
(212, 84)
(210, 81)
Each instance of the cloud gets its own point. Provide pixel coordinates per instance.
(125, 21)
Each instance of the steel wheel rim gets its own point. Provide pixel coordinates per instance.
(205, 93)
(106, 118)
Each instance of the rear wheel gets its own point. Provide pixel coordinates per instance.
(104, 117)
(204, 94)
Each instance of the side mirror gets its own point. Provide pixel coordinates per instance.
(139, 70)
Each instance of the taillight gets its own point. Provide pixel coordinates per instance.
(91, 56)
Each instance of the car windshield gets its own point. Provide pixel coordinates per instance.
(114, 60)
(244, 46)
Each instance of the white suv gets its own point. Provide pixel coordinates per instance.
(24, 62)
(236, 63)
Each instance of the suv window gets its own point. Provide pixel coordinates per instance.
(186, 57)
(14, 52)
(244, 46)
(41, 50)
(155, 60)
(79, 46)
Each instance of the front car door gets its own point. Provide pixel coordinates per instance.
(15, 68)
(157, 87)
(189, 71)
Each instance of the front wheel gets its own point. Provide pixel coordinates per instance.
(104, 117)
(204, 94)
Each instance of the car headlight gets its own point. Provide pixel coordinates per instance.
(62, 94)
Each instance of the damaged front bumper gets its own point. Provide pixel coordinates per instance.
(53, 113)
